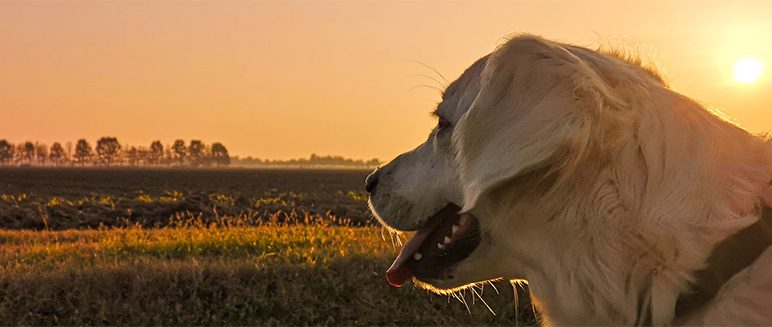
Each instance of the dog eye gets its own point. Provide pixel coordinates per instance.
(443, 123)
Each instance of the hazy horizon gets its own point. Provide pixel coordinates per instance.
(69, 145)
(282, 80)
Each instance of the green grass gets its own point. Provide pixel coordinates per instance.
(219, 275)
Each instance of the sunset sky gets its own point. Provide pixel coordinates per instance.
(285, 79)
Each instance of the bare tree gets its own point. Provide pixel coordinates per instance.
(82, 152)
(56, 154)
(180, 152)
(107, 149)
(220, 154)
(6, 152)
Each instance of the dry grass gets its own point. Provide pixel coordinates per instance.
(218, 275)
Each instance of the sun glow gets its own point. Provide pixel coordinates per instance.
(748, 70)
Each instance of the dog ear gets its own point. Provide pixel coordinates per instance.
(536, 100)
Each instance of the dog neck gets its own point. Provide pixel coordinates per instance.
(731, 256)
(555, 292)
(647, 293)
(574, 273)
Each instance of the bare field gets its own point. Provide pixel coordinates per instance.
(57, 199)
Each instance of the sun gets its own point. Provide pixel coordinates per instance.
(748, 70)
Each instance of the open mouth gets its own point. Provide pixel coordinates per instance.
(447, 239)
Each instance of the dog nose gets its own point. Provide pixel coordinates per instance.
(371, 181)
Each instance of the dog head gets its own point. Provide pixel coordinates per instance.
(575, 170)
(509, 114)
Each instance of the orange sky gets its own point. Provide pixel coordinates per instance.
(284, 79)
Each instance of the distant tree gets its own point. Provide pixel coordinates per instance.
(143, 155)
(313, 160)
(249, 161)
(82, 152)
(123, 155)
(156, 152)
(132, 155)
(56, 154)
(196, 152)
(25, 152)
(6, 152)
(206, 157)
(107, 149)
(41, 153)
(180, 151)
(220, 154)
(68, 147)
(168, 158)
(374, 162)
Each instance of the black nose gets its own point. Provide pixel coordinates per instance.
(371, 181)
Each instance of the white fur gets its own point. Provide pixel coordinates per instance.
(591, 179)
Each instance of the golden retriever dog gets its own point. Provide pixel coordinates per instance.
(619, 200)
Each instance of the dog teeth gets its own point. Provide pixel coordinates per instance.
(454, 229)
(441, 246)
(417, 256)
(447, 240)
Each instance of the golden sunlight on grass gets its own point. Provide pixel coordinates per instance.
(217, 275)
(748, 70)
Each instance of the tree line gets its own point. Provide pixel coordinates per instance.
(109, 152)
(313, 160)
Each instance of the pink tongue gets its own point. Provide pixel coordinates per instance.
(399, 272)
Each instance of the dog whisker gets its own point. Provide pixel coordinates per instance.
(494, 286)
(457, 296)
(483, 301)
(432, 69)
(383, 237)
(440, 84)
(516, 297)
(463, 300)
(426, 86)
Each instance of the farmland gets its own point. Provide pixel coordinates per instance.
(210, 247)
(59, 199)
